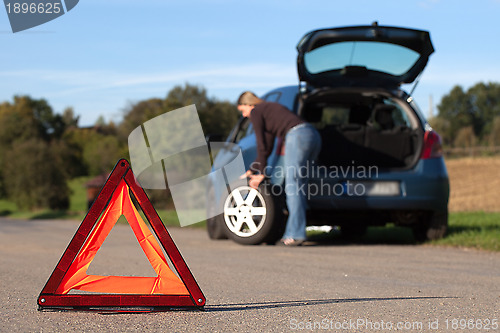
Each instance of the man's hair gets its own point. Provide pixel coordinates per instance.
(249, 98)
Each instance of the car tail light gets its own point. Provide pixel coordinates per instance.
(432, 145)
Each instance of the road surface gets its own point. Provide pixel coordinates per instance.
(341, 288)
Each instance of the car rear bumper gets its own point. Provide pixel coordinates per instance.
(425, 187)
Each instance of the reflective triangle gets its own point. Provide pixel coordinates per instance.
(165, 290)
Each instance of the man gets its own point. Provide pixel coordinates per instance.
(302, 146)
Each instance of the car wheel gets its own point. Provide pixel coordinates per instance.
(215, 224)
(215, 228)
(253, 216)
(432, 226)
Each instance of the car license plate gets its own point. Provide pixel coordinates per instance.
(372, 188)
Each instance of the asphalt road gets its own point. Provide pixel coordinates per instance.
(342, 288)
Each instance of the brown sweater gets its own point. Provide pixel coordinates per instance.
(270, 120)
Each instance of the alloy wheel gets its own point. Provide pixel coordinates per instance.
(245, 211)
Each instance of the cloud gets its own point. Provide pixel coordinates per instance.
(459, 76)
(220, 77)
(106, 92)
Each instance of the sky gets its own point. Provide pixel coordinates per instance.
(105, 55)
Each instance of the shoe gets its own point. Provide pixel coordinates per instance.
(291, 242)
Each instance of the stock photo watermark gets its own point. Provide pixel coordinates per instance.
(314, 179)
(170, 152)
(313, 170)
(365, 325)
(26, 14)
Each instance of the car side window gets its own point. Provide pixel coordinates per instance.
(272, 97)
(249, 129)
(243, 130)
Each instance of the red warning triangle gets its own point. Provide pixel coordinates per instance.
(166, 290)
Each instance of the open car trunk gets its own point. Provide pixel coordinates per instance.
(364, 128)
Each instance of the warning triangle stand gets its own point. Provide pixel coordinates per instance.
(121, 293)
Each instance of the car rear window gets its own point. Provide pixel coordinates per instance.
(378, 56)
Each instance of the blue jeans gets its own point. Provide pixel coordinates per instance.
(302, 146)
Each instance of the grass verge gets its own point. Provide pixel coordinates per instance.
(78, 208)
(478, 230)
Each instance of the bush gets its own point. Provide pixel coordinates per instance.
(101, 153)
(33, 179)
(465, 138)
(495, 132)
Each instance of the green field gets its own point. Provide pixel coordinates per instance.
(478, 230)
(78, 208)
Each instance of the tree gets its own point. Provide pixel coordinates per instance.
(485, 100)
(219, 118)
(91, 151)
(456, 108)
(442, 126)
(69, 153)
(216, 117)
(30, 173)
(69, 118)
(189, 94)
(33, 179)
(476, 107)
(138, 113)
(18, 121)
(101, 153)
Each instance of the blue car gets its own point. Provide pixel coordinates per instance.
(381, 162)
